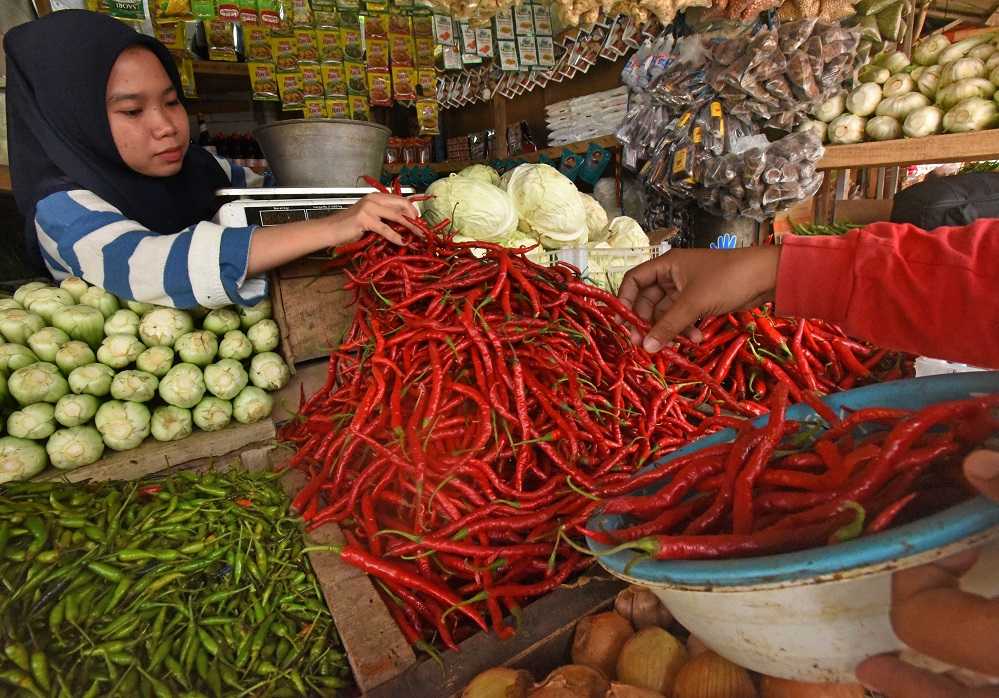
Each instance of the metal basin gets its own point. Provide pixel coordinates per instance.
(323, 152)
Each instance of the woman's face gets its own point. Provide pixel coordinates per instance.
(148, 122)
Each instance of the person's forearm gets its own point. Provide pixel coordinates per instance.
(900, 287)
(273, 246)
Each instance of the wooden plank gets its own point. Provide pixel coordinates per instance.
(376, 649)
(953, 147)
(222, 69)
(154, 456)
(863, 211)
(312, 311)
(548, 620)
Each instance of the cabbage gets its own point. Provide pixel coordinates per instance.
(626, 232)
(74, 354)
(18, 325)
(183, 386)
(264, 336)
(251, 315)
(119, 350)
(903, 105)
(47, 342)
(898, 85)
(98, 298)
(7, 303)
(48, 301)
(32, 422)
(819, 128)
(221, 320)
(122, 424)
(972, 114)
(37, 382)
(122, 322)
(155, 360)
(251, 405)
(226, 378)
(548, 204)
(847, 129)
(75, 410)
(961, 90)
(269, 371)
(22, 292)
(831, 108)
(81, 322)
(92, 379)
(929, 49)
(483, 173)
(861, 102)
(596, 219)
(162, 327)
(15, 356)
(198, 347)
(477, 209)
(962, 69)
(212, 414)
(75, 447)
(504, 182)
(136, 386)
(171, 423)
(235, 345)
(929, 80)
(883, 128)
(20, 459)
(924, 121)
(140, 308)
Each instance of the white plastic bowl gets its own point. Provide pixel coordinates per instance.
(814, 615)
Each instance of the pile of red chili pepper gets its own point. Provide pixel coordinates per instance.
(790, 485)
(480, 405)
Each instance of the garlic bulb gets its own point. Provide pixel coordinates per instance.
(651, 659)
(623, 690)
(598, 641)
(642, 608)
(709, 675)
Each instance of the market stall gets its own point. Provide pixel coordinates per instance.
(446, 469)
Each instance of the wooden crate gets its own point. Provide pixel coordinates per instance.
(311, 307)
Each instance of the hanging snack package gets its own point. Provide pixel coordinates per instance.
(546, 52)
(308, 48)
(571, 164)
(357, 78)
(338, 108)
(129, 10)
(714, 128)
(427, 84)
(330, 50)
(427, 116)
(301, 13)
(221, 40)
(404, 81)
(172, 10)
(360, 110)
(285, 51)
(325, 19)
(424, 49)
(315, 108)
(423, 26)
(312, 81)
(444, 30)
(257, 39)
(484, 43)
(376, 26)
(597, 159)
(225, 9)
(400, 24)
(523, 19)
(347, 6)
(291, 92)
(203, 9)
(379, 87)
(503, 24)
(334, 83)
(353, 43)
(402, 49)
(542, 20)
(349, 18)
(378, 53)
(172, 35)
(263, 81)
(248, 12)
(269, 12)
(187, 83)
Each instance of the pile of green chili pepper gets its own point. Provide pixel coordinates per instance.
(820, 229)
(192, 585)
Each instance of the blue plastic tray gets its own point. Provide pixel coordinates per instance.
(941, 529)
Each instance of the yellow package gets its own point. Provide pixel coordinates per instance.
(258, 43)
(290, 89)
(172, 10)
(404, 81)
(186, 69)
(357, 78)
(301, 13)
(270, 12)
(352, 41)
(308, 49)
(330, 50)
(427, 83)
(315, 108)
(402, 49)
(312, 81)
(400, 24)
(376, 25)
(427, 115)
(359, 108)
(378, 53)
(171, 35)
(221, 40)
(379, 87)
(285, 51)
(423, 25)
(263, 81)
(334, 83)
(338, 108)
(248, 12)
(424, 51)
(326, 19)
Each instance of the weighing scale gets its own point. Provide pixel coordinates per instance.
(278, 205)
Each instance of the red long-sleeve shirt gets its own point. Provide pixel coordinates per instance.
(930, 293)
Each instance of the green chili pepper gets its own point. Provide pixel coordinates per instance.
(40, 670)
(210, 643)
(157, 657)
(20, 679)
(95, 534)
(201, 663)
(94, 689)
(72, 522)
(56, 614)
(108, 572)
(4, 535)
(174, 667)
(18, 653)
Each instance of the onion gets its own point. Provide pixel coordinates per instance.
(831, 108)
(972, 114)
(696, 646)
(847, 129)
(962, 69)
(883, 128)
(923, 122)
(899, 85)
(583, 681)
(864, 100)
(642, 608)
(623, 690)
(771, 687)
(929, 49)
(709, 675)
(598, 641)
(651, 659)
(903, 105)
(499, 682)
(552, 692)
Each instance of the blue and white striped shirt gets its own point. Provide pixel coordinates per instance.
(205, 264)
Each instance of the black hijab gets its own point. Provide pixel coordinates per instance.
(59, 135)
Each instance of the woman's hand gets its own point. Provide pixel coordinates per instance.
(674, 290)
(372, 214)
(933, 616)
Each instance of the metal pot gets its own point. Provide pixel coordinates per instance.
(323, 152)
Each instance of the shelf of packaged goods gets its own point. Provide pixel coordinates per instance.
(5, 178)
(952, 147)
(221, 69)
(554, 153)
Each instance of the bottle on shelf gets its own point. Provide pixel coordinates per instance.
(204, 139)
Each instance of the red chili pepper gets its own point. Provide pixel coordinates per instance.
(888, 515)
(149, 490)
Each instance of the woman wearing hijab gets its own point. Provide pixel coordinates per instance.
(111, 187)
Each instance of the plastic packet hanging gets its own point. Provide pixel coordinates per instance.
(792, 35)
(802, 78)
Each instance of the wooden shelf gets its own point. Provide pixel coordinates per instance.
(5, 178)
(953, 147)
(554, 152)
(221, 69)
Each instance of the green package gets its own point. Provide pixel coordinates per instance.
(203, 9)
